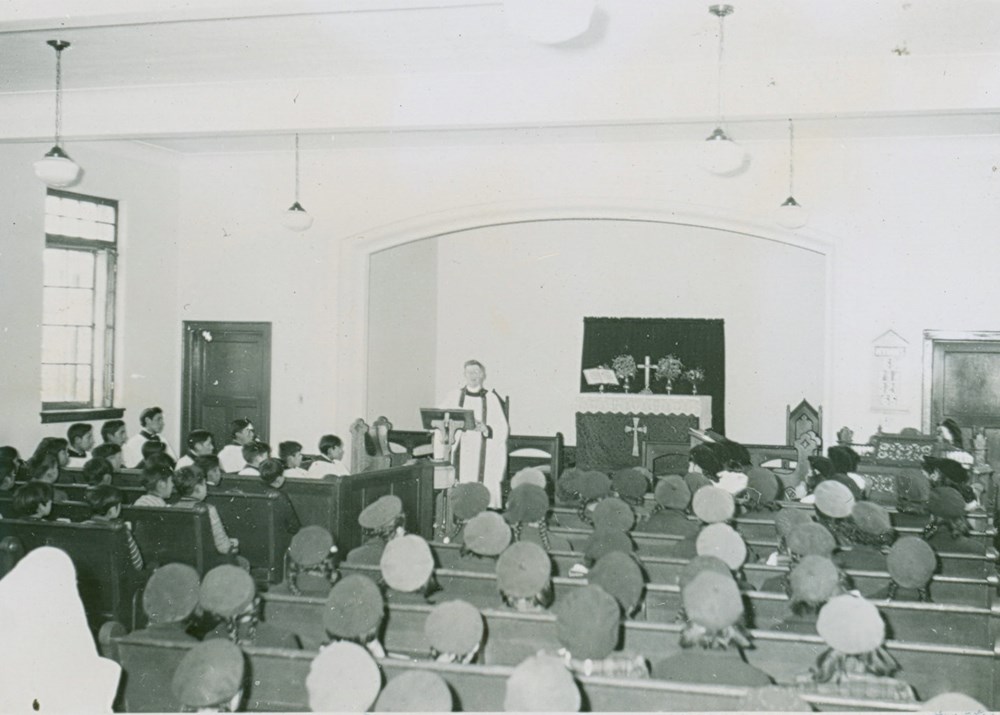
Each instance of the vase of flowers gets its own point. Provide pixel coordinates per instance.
(668, 369)
(695, 376)
(625, 368)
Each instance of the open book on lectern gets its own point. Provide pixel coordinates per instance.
(456, 417)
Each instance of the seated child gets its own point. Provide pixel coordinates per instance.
(105, 502)
(56, 446)
(159, 483)
(253, 454)
(455, 632)
(524, 577)
(354, 612)
(229, 593)
(111, 452)
(199, 444)
(46, 469)
(209, 464)
(231, 456)
(33, 500)
(11, 454)
(80, 436)
(192, 489)
(272, 474)
(407, 566)
(114, 432)
(8, 473)
(380, 521)
(97, 471)
(290, 453)
(154, 452)
(310, 565)
(210, 678)
(331, 452)
(169, 600)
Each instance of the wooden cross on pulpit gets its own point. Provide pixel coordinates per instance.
(647, 367)
(635, 429)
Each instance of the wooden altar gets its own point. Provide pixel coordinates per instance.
(612, 429)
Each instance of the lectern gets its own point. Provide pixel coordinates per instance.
(444, 422)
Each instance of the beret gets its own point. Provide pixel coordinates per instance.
(672, 493)
(593, 485)
(381, 512)
(630, 483)
(541, 684)
(811, 539)
(354, 607)
(613, 513)
(713, 504)
(788, 518)
(834, 499)
(911, 562)
(209, 674)
(486, 534)
(569, 481)
(468, 499)
(529, 475)
(763, 481)
(702, 563)
(454, 627)
(523, 569)
(415, 691)
(407, 563)
(227, 591)
(171, 593)
(851, 625)
(815, 580)
(604, 541)
(722, 541)
(773, 698)
(946, 503)
(619, 575)
(588, 621)
(527, 503)
(712, 601)
(310, 545)
(343, 678)
(696, 481)
(871, 518)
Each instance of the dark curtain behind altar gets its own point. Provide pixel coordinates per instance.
(697, 342)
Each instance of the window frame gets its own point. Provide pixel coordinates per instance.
(102, 405)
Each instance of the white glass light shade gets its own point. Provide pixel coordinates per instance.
(296, 218)
(549, 22)
(790, 214)
(56, 169)
(722, 155)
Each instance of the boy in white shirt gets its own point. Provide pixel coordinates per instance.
(152, 423)
(199, 443)
(81, 440)
(253, 454)
(331, 450)
(290, 453)
(231, 456)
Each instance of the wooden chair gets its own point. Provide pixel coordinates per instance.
(662, 458)
(803, 418)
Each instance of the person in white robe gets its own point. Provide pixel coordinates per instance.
(480, 454)
(152, 423)
(50, 660)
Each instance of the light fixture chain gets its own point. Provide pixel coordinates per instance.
(791, 157)
(58, 94)
(296, 168)
(718, 88)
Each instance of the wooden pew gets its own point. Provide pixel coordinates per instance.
(930, 668)
(939, 622)
(108, 583)
(278, 684)
(76, 492)
(252, 517)
(335, 502)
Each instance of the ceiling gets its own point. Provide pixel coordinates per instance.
(181, 77)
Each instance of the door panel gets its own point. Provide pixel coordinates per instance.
(227, 375)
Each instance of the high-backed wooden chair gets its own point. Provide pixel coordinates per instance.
(803, 418)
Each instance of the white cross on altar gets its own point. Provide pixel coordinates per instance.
(635, 429)
(647, 367)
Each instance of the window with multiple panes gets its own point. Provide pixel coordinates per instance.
(78, 315)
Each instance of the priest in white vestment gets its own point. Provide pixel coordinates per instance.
(480, 454)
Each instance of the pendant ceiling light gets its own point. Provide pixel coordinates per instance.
(56, 168)
(790, 214)
(549, 22)
(721, 154)
(296, 218)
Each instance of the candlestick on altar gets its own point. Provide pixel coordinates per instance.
(647, 367)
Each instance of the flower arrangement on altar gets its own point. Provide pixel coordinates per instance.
(695, 376)
(624, 367)
(668, 369)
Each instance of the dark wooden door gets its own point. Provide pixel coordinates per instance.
(227, 375)
(966, 387)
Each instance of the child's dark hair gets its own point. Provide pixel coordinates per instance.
(707, 459)
(76, 431)
(106, 450)
(109, 428)
(160, 459)
(40, 465)
(954, 430)
(102, 499)
(148, 414)
(197, 436)
(288, 449)
(30, 496)
(271, 470)
(239, 425)
(328, 442)
(9, 452)
(154, 474)
(151, 447)
(251, 450)
(95, 470)
(49, 445)
(207, 462)
(8, 471)
(186, 479)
